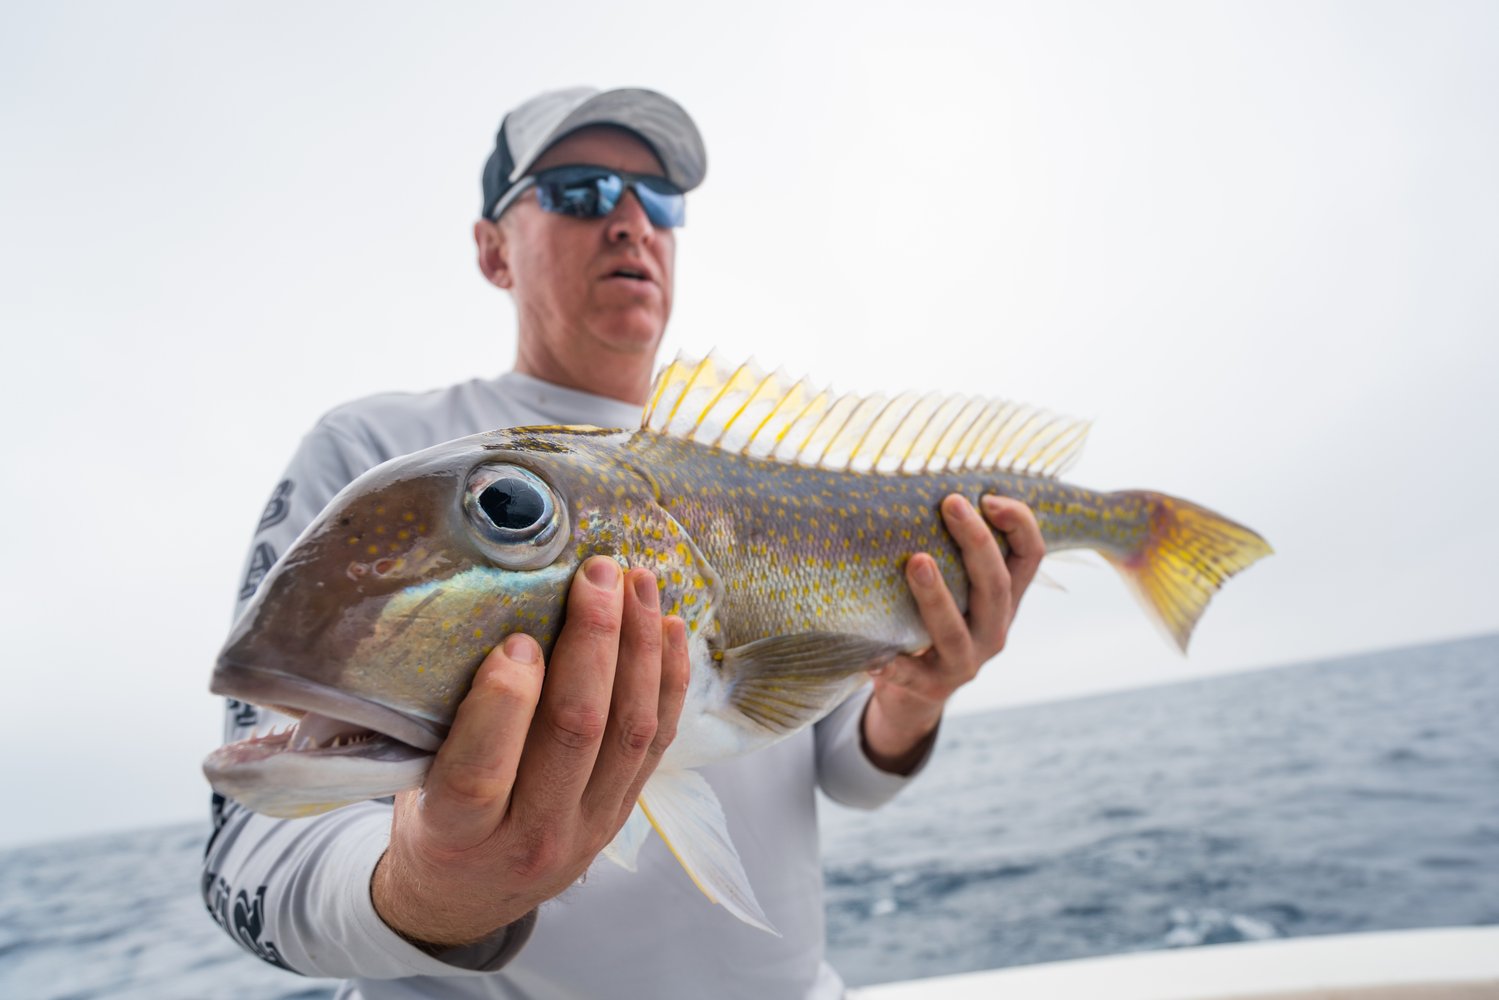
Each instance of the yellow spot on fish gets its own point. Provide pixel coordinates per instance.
(478, 633)
(403, 534)
(373, 550)
(408, 516)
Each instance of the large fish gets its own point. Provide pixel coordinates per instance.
(777, 519)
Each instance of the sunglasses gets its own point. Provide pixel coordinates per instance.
(588, 192)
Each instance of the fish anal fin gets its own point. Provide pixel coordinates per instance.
(787, 682)
(681, 806)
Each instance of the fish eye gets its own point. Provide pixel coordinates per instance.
(513, 504)
(516, 512)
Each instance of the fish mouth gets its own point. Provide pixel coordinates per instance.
(297, 696)
(341, 749)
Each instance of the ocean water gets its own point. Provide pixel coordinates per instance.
(1355, 795)
(1352, 795)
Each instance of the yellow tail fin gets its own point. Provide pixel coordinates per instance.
(1188, 553)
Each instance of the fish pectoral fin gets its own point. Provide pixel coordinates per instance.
(685, 812)
(1072, 557)
(624, 849)
(786, 682)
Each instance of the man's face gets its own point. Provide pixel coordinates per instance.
(565, 272)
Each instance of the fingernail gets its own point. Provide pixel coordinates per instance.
(992, 505)
(603, 572)
(924, 572)
(645, 589)
(676, 632)
(957, 508)
(521, 648)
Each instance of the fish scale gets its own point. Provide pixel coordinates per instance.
(800, 542)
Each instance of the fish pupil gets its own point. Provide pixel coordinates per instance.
(512, 504)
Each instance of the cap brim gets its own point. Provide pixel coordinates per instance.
(656, 118)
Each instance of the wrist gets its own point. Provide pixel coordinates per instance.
(429, 918)
(897, 741)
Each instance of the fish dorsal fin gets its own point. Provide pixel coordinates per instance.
(743, 409)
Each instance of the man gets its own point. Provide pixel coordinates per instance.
(471, 886)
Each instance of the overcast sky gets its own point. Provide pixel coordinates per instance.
(1257, 242)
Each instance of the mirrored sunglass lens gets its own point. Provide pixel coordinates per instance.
(667, 209)
(593, 192)
(585, 196)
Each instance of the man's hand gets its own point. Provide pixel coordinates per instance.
(910, 692)
(535, 779)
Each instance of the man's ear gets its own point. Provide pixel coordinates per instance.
(494, 253)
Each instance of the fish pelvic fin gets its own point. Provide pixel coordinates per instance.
(739, 408)
(681, 806)
(787, 682)
(624, 849)
(1188, 553)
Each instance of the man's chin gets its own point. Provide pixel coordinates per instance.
(630, 335)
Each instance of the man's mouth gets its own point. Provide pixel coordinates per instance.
(631, 273)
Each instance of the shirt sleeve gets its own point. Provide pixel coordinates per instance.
(844, 771)
(296, 893)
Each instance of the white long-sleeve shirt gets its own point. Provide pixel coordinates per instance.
(297, 892)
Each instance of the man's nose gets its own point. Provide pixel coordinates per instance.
(628, 223)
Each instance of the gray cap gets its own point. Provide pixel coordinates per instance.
(533, 127)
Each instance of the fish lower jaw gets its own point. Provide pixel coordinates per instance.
(342, 749)
(287, 775)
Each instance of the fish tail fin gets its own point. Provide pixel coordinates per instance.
(1188, 552)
